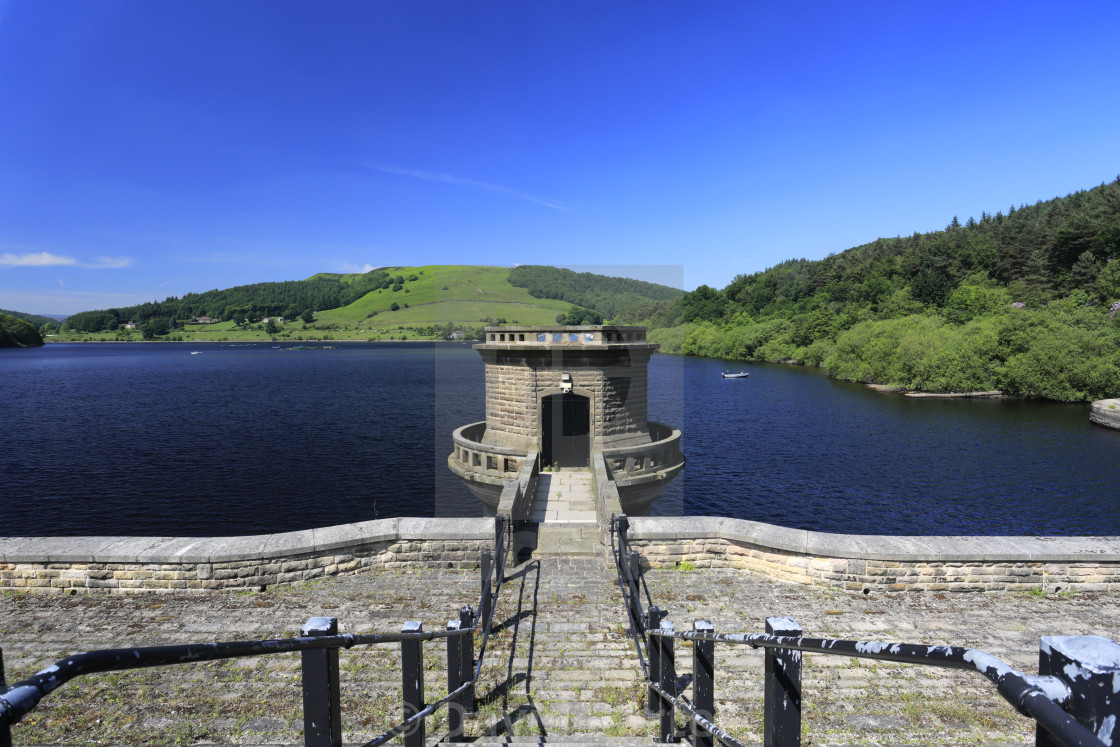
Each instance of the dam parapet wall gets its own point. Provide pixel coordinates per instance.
(881, 562)
(175, 564)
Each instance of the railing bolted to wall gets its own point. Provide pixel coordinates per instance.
(318, 644)
(1073, 700)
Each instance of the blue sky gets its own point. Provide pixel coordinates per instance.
(150, 149)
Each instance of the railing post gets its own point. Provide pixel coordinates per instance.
(656, 614)
(1090, 665)
(454, 680)
(466, 656)
(412, 674)
(5, 729)
(782, 696)
(487, 571)
(634, 566)
(668, 677)
(322, 709)
(703, 683)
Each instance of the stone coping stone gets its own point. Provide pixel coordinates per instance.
(1009, 549)
(170, 550)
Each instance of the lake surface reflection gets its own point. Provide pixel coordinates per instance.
(149, 439)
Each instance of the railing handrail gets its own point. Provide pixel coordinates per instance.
(21, 698)
(631, 596)
(499, 550)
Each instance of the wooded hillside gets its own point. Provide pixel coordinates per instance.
(1023, 301)
(17, 333)
(610, 296)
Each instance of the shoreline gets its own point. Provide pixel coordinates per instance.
(225, 342)
(919, 394)
(888, 388)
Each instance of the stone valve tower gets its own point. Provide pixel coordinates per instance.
(567, 397)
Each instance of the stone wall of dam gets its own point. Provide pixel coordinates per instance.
(122, 565)
(855, 563)
(881, 563)
(1106, 412)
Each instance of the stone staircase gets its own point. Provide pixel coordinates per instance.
(564, 511)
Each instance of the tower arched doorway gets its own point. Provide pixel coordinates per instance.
(566, 430)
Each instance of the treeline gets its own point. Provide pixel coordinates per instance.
(289, 299)
(610, 296)
(18, 333)
(40, 322)
(1025, 302)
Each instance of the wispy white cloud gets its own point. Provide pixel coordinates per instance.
(347, 267)
(46, 259)
(434, 176)
(35, 259)
(109, 263)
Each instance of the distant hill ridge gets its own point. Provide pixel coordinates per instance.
(395, 297)
(37, 320)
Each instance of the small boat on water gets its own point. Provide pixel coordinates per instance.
(196, 352)
(729, 375)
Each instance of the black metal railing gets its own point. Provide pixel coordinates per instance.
(319, 643)
(1072, 700)
(630, 579)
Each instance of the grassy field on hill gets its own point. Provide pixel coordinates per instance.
(464, 295)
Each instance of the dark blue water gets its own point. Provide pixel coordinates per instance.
(149, 439)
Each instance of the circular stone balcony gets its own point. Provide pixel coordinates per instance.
(484, 468)
(641, 472)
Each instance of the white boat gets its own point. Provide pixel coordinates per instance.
(196, 352)
(729, 375)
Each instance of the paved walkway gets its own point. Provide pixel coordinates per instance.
(564, 497)
(559, 664)
(564, 510)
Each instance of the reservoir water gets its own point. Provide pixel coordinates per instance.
(151, 439)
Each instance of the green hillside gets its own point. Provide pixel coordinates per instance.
(43, 323)
(462, 295)
(18, 333)
(428, 302)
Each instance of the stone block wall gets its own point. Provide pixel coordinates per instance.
(617, 393)
(511, 413)
(881, 563)
(121, 565)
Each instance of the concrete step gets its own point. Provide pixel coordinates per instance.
(567, 539)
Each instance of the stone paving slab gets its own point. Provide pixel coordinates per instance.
(564, 497)
(559, 667)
